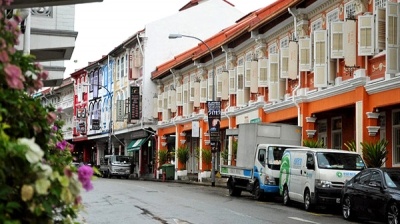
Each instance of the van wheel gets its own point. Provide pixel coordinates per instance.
(286, 199)
(258, 195)
(307, 200)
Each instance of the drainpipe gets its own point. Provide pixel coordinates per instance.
(140, 44)
(299, 73)
(25, 14)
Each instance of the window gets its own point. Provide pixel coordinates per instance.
(332, 16)
(337, 133)
(285, 42)
(316, 25)
(273, 49)
(349, 9)
(380, 4)
(396, 136)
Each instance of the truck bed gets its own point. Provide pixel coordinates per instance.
(236, 171)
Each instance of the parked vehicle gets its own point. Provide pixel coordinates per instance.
(316, 176)
(115, 165)
(373, 193)
(259, 154)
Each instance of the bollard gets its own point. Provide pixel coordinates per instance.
(164, 176)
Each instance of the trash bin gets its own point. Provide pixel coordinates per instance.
(169, 170)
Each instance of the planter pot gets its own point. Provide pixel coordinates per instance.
(205, 174)
(182, 174)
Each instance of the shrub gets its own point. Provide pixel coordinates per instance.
(313, 143)
(375, 154)
(183, 154)
(206, 156)
(162, 157)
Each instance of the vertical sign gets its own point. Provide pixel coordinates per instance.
(120, 110)
(135, 103)
(214, 119)
(195, 129)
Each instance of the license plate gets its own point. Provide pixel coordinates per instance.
(338, 200)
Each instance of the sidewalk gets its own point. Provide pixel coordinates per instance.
(219, 181)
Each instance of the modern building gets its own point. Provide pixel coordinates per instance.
(331, 67)
(48, 33)
(114, 96)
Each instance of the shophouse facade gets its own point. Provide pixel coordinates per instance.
(331, 67)
(117, 89)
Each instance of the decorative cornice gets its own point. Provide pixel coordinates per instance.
(375, 86)
(320, 8)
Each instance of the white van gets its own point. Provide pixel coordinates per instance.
(316, 176)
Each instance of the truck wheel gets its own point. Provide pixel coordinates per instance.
(307, 200)
(257, 194)
(233, 191)
(286, 199)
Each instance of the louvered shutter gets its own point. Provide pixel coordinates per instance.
(185, 99)
(393, 38)
(380, 29)
(247, 82)
(232, 81)
(305, 54)
(160, 103)
(219, 85)
(293, 60)
(172, 97)
(273, 90)
(320, 59)
(191, 90)
(337, 32)
(196, 97)
(203, 91)
(155, 107)
(284, 57)
(263, 72)
(210, 86)
(179, 96)
(254, 77)
(273, 68)
(225, 88)
(350, 54)
(366, 35)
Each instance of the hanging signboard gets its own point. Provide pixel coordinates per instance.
(214, 120)
(135, 103)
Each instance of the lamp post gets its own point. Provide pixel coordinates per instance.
(110, 121)
(174, 36)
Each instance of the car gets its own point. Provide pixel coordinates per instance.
(373, 193)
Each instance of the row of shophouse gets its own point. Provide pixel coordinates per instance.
(331, 67)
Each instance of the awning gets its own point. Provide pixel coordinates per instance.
(135, 144)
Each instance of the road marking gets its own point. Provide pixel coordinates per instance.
(303, 220)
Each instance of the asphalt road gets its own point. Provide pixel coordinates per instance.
(120, 201)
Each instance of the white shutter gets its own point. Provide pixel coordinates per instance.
(263, 72)
(349, 43)
(138, 58)
(165, 100)
(240, 77)
(192, 81)
(273, 90)
(210, 86)
(320, 59)
(225, 88)
(284, 57)
(219, 85)
(366, 35)
(254, 77)
(240, 97)
(336, 33)
(305, 54)
(185, 99)
(172, 96)
(293, 70)
(169, 99)
(203, 91)
(393, 38)
(179, 96)
(380, 29)
(273, 68)
(232, 81)
(196, 97)
(247, 82)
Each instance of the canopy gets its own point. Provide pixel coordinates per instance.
(135, 144)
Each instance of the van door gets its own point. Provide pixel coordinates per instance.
(309, 173)
(295, 177)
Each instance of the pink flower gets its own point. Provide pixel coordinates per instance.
(4, 56)
(14, 76)
(59, 110)
(61, 145)
(44, 75)
(85, 174)
(38, 84)
(54, 128)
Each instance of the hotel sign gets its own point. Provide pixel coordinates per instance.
(135, 103)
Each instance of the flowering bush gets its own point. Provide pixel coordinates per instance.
(37, 182)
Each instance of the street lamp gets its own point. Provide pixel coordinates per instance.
(110, 121)
(174, 36)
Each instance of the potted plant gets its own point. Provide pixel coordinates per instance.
(206, 157)
(224, 155)
(183, 156)
(162, 157)
(234, 151)
(375, 154)
(313, 143)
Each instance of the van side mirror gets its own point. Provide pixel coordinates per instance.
(310, 165)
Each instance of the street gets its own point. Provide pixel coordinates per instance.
(133, 201)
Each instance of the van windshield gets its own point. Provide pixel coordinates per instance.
(341, 161)
(122, 159)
